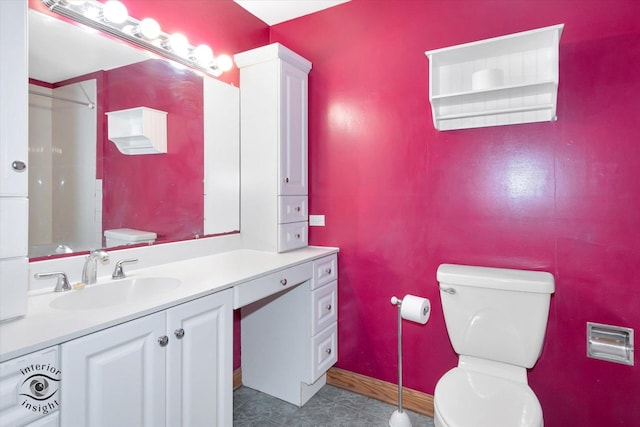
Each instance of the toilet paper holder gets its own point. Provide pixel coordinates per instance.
(611, 343)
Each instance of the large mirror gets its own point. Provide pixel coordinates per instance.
(82, 186)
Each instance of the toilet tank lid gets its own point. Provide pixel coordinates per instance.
(497, 278)
(130, 235)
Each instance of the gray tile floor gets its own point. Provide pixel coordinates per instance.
(331, 406)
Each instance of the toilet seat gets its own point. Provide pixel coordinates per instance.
(465, 398)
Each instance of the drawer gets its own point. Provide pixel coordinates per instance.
(254, 290)
(14, 227)
(292, 236)
(292, 209)
(325, 270)
(14, 284)
(324, 307)
(324, 351)
(14, 372)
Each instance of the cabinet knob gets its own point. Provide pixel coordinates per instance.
(328, 351)
(283, 282)
(286, 180)
(298, 236)
(328, 270)
(163, 341)
(179, 333)
(19, 166)
(298, 209)
(328, 307)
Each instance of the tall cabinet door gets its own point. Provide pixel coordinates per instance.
(14, 133)
(115, 377)
(199, 364)
(293, 130)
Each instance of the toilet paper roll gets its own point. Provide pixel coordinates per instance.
(415, 309)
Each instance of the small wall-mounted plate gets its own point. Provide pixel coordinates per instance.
(611, 343)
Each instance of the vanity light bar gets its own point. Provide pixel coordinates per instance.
(112, 18)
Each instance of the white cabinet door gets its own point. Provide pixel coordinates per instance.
(199, 362)
(14, 110)
(116, 377)
(293, 130)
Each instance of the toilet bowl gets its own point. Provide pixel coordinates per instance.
(467, 398)
(496, 320)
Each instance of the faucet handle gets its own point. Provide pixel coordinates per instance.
(63, 281)
(118, 271)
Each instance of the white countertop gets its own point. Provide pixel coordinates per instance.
(44, 326)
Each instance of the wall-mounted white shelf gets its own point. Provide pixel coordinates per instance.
(523, 89)
(139, 130)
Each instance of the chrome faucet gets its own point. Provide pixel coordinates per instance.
(90, 269)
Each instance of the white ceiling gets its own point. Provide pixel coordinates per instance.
(276, 11)
(55, 47)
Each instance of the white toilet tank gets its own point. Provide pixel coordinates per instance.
(495, 313)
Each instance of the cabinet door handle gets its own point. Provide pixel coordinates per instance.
(283, 282)
(179, 333)
(163, 341)
(298, 209)
(19, 166)
(298, 236)
(328, 307)
(286, 180)
(328, 270)
(328, 351)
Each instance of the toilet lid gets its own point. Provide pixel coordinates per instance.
(472, 399)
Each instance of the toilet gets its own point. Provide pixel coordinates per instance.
(496, 320)
(128, 236)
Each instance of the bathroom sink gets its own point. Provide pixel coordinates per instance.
(114, 292)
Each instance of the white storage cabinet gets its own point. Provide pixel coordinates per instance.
(14, 133)
(274, 123)
(290, 340)
(170, 368)
(500, 81)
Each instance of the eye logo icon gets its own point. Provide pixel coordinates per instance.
(39, 387)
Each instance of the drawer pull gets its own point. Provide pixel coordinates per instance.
(286, 180)
(328, 351)
(179, 333)
(328, 307)
(328, 270)
(298, 209)
(163, 341)
(283, 282)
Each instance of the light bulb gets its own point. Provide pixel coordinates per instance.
(203, 55)
(149, 28)
(224, 62)
(115, 12)
(179, 44)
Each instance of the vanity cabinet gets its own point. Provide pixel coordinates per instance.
(290, 339)
(14, 131)
(18, 409)
(172, 368)
(274, 123)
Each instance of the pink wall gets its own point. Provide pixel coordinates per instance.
(400, 198)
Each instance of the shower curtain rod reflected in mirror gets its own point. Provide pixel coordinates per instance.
(91, 105)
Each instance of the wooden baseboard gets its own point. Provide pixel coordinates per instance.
(412, 400)
(237, 378)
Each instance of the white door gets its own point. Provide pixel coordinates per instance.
(199, 363)
(293, 131)
(115, 377)
(14, 110)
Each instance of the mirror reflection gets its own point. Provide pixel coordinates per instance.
(81, 185)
